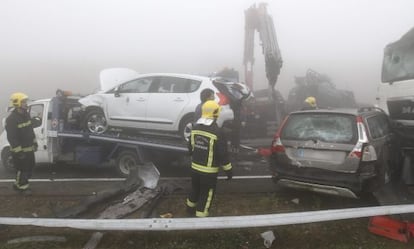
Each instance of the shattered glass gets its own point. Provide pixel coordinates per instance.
(333, 128)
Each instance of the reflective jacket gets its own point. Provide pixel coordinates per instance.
(208, 148)
(20, 132)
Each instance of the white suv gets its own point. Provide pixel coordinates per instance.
(157, 102)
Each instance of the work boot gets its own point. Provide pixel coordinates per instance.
(25, 191)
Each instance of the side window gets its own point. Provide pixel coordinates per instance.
(193, 85)
(36, 111)
(136, 86)
(171, 85)
(177, 85)
(378, 126)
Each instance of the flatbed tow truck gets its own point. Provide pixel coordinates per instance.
(62, 140)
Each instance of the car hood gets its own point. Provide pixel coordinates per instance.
(112, 77)
(398, 62)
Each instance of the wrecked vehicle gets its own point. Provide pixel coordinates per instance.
(159, 102)
(396, 96)
(321, 87)
(344, 152)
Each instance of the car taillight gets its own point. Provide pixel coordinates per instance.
(369, 154)
(223, 100)
(362, 149)
(365, 152)
(277, 145)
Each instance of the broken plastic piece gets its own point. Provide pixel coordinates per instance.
(166, 215)
(268, 237)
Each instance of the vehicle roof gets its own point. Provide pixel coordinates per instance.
(191, 76)
(40, 100)
(349, 111)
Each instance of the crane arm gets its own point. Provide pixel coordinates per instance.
(257, 19)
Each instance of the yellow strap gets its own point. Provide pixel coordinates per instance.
(207, 206)
(16, 149)
(25, 124)
(204, 133)
(190, 203)
(227, 166)
(28, 149)
(204, 169)
(212, 137)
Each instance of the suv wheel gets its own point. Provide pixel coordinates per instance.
(186, 125)
(95, 121)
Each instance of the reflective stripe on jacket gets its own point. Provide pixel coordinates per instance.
(20, 132)
(208, 148)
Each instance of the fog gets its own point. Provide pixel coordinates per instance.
(50, 44)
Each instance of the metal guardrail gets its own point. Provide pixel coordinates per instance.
(224, 222)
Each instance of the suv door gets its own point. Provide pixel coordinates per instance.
(126, 104)
(167, 102)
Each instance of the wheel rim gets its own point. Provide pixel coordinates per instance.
(187, 131)
(126, 163)
(97, 124)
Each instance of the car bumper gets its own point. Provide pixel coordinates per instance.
(319, 180)
(324, 189)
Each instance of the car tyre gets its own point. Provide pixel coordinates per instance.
(7, 160)
(126, 160)
(186, 125)
(95, 121)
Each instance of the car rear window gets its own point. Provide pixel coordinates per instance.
(326, 127)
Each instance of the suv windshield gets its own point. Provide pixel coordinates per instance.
(326, 127)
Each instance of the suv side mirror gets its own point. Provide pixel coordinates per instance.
(36, 122)
(116, 93)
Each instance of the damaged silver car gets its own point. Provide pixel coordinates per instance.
(345, 152)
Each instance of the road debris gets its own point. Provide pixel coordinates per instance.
(268, 238)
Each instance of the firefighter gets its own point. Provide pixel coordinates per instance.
(208, 149)
(310, 104)
(22, 140)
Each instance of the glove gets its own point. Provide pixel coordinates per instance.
(229, 174)
(35, 145)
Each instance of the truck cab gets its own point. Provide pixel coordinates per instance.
(42, 111)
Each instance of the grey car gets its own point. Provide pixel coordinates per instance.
(345, 152)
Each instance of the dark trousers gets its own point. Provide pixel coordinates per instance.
(202, 192)
(24, 167)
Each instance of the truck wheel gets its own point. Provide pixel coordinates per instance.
(126, 160)
(186, 125)
(7, 160)
(95, 121)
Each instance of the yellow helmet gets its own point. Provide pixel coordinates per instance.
(210, 109)
(311, 101)
(16, 99)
